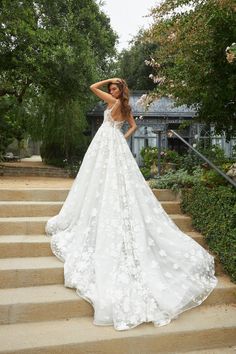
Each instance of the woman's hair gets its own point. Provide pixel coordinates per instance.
(124, 97)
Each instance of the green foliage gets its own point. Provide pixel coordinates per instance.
(190, 168)
(176, 180)
(13, 122)
(213, 152)
(213, 212)
(73, 167)
(212, 178)
(150, 155)
(131, 64)
(146, 172)
(53, 45)
(51, 51)
(62, 132)
(190, 64)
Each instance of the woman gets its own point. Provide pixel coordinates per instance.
(119, 97)
(121, 250)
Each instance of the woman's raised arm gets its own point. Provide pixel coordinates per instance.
(101, 94)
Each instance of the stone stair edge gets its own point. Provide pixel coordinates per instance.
(30, 262)
(45, 202)
(44, 238)
(21, 239)
(67, 188)
(24, 338)
(29, 219)
(32, 168)
(20, 294)
(44, 218)
(190, 233)
(222, 350)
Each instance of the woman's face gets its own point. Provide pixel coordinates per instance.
(114, 90)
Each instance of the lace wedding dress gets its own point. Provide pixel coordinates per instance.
(121, 251)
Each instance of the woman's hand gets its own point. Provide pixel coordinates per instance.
(107, 97)
(115, 80)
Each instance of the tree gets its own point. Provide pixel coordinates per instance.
(51, 51)
(131, 64)
(191, 63)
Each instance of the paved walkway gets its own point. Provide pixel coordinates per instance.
(33, 161)
(33, 158)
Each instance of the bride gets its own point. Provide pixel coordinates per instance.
(121, 251)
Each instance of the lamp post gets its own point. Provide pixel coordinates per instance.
(158, 131)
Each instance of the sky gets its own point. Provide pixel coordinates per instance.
(127, 17)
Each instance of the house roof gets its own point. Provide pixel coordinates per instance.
(161, 107)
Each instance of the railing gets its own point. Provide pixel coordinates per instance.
(230, 180)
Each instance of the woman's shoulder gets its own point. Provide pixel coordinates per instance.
(117, 103)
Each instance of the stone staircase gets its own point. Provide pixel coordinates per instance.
(38, 314)
(28, 168)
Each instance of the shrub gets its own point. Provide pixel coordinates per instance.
(72, 167)
(150, 155)
(214, 153)
(176, 180)
(54, 154)
(146, 172)
(213, 213)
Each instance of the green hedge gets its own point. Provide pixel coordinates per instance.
(213, 212)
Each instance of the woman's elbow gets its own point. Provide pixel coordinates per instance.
(93, 87)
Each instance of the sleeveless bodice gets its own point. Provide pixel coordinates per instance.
(108, 120)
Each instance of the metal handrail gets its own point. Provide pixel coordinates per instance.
(230, 180)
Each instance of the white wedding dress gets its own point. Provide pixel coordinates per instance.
(121, 251)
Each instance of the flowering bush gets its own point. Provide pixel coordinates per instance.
(145, 100)
(231, 53)
(150, 156)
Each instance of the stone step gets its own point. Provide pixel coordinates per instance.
(24, 170)
(223, 350)
(171, 207)
(167, 194)
(195, 329)
(36, 225)
(39, 245)
(30, 271)
(41, 303)
(184, 222)
(34, 194)
(195, 235)
(22, 225)
(29, 208)
(59, 194)
(25, 246)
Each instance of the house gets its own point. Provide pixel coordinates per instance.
(162, 114)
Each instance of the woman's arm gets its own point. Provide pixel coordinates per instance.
(133, 126)
(107, 97)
